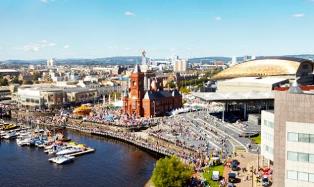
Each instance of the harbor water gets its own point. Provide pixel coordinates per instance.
(113, 164)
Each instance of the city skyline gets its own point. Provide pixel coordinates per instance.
(40, 29)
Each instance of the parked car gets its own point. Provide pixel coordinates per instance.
(265, 181)
(232, 177)
(234, 165)
(215, 176)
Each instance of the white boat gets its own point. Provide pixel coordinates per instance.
(22, 142)
(68, 151)
(61, 159)
(2, 133)
(11, 134)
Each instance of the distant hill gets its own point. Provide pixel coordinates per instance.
(209, 60)
(122, 60)
(305, 56)
(96, 61)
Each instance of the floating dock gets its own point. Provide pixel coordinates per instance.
(89, 150)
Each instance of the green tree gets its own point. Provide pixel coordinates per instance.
(171, 171)
(185, 90)
(27, 82)
(4, 82)
(171, 84)
(35, 76)
(15, 80)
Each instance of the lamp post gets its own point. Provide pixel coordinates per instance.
(258, 151)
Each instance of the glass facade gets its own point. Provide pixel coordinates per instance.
(293, 156)
(300, 176)
(300, 137)
(301, 157)
(292, 175)
(293, 137)
(268, 123)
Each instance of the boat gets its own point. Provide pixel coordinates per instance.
(62, 159)
(40, 143)
(7, 127)
(23, 141)
(68, 151)
(55, 149)
(9, 135)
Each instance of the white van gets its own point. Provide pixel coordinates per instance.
(215, 176)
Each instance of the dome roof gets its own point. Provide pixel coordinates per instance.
(266, 66)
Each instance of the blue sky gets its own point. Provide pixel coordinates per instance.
(40, 29)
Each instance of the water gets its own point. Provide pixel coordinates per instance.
(113, 164)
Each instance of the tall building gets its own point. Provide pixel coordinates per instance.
(267, 137)
(293, 150)
(148, 103)
(180, 65)
(233, 61)
(145, 60)
(51, 63)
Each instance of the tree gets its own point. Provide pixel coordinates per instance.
(171, 84)
(35, 76)
(4, 82)
(27, 82)
(15, 80)
(185, 90)
(171, 171)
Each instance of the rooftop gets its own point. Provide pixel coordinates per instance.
(256, 80)
(233, 96)
(263, 66)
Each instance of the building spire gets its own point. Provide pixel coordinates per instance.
(137, 69)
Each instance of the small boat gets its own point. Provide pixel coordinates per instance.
(68, 151)
(39, 143)
(7, 127)
(61, 159)
(9, 135)
(55, 149)
(23, 141)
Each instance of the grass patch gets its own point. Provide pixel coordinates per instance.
(208, 174)
(256, 139)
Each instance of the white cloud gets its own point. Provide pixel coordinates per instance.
(129, 13)
(36, 46)
(298, 15)
(218, 18)
(66, 46)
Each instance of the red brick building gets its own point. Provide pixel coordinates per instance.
(153, 102)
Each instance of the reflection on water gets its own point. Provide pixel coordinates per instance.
(113, 164)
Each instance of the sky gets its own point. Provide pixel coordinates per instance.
(41, 29)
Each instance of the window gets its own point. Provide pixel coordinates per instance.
(292, 175)
(293, 156)
(303, 176)
(304, 137)
(271, 124)
(265, 122)
(293, 137)
(311, 138)
(311, 177)
(303, 157)
(311, 158)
